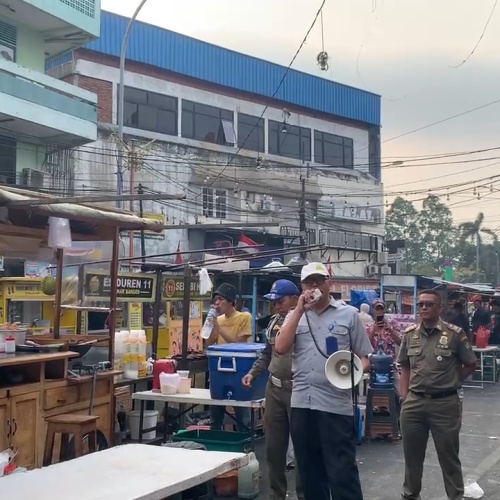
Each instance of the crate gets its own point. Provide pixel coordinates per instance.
(236, 442)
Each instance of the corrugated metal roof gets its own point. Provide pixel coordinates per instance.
(193, 58)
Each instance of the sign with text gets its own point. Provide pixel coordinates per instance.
(345, 287)
(131, 287)
(173, 289)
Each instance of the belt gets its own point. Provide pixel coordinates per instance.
(436, 395)
(285, 384)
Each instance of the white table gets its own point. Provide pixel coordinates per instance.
(129, 472)
(491, 350)
(194, 398)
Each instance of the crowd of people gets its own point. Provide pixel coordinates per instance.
(432, 357)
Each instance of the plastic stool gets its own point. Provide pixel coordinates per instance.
(386, 424)
(204, 491)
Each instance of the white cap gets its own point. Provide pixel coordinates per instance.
(312, 269)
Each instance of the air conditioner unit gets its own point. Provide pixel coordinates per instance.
(266, 205)
(382, 258)
(372, 270)
(386, 270)
(32, 178)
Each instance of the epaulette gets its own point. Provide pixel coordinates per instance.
(411, 328)
(452, 327)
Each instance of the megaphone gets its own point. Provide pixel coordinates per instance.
(338, 369)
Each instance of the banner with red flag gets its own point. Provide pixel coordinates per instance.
(247, 245)
(178, 256)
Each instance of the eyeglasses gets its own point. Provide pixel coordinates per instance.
(314, 280)
(426, 305)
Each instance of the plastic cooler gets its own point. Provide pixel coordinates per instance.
(228, 364)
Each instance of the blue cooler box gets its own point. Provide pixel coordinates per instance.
(228, 364)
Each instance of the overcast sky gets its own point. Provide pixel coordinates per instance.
(404, 50)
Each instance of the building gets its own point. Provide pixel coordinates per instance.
(41, 115)
(216, 125)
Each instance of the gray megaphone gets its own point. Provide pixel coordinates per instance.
(338, 369)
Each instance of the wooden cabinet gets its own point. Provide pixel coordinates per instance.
(19, 417)
(5, 427)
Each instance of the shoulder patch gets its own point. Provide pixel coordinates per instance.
(411, 328)
(453, 328)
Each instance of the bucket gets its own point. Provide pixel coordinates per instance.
(150, 420)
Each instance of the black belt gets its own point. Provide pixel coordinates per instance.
(436, 395)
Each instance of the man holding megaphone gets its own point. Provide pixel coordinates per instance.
(330, 349)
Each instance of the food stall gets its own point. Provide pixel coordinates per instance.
(37, 384)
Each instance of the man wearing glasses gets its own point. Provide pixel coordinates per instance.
(435, 358)
(322, 422)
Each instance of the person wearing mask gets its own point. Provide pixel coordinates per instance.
(480, 317)
(230, 326)
(435, 359)
(364, 315)
(495, 320)
(284, 294)
(322, 421)
(460, 319)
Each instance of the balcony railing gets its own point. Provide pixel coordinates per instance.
(293, 233)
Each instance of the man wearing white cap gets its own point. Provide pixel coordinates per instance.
(322, 421)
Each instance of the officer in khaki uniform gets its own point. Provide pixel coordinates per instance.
(278, 392)
(435, 358)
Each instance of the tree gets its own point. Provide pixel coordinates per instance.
(401, 223)
(474, 231)
(438, 233)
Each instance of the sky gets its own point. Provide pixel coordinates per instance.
(411, 52)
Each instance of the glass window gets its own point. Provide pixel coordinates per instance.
(214, 203)
(150, 111)
(290, 141)
(250, 132)
(207, 123)
(333, 150)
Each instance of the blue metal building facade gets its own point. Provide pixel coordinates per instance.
(197, 59)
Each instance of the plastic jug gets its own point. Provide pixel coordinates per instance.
(248, 478)
(169, 382)
(141, 357)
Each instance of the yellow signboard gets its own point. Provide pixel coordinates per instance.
(25, 290)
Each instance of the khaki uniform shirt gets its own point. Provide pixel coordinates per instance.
(279, 365)
(435, 358)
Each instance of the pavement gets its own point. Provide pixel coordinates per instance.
(381, 463)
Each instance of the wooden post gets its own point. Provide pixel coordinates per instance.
(113, 299)
(58, 296)
(80, 295)
(186, 315)
(156, 311)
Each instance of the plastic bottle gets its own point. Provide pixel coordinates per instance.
(10, 345)
(141, 358)
(248, 478)
(127, 354)
(208, 326)
(133, 370)
(118, 354)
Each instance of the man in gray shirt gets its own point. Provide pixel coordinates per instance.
(322, 417)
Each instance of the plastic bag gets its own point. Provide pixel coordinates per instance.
(206, 284)
(59, 233)
(5, 459)
(482, 337)
(473, 490)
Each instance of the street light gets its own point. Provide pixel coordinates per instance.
(121, 93)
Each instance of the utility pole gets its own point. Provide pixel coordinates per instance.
(121, 93)
(133, 164)
(302, 217)
(140, 191)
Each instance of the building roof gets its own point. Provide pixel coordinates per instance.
(194, 58)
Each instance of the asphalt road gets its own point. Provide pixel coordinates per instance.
(381, 463)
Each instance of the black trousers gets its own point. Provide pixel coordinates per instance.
(325, 453)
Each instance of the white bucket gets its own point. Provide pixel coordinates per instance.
(150, 420)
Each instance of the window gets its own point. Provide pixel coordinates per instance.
(250, 132)
(8, 153)
(333, 150)
(207, 123)
(8, 41)
(150, 111)
(214, 203)
(290, 141)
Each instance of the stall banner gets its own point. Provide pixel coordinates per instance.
(131, 287)
(402, 321)
(173, 289)
(25, 290)
(135, 315)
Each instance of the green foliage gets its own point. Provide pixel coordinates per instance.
(431, 238)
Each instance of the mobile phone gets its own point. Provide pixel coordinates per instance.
(380, 320)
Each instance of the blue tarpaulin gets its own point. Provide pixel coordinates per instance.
(359, 297)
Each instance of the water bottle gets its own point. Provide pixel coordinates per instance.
(208, 326)
(248, 478)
